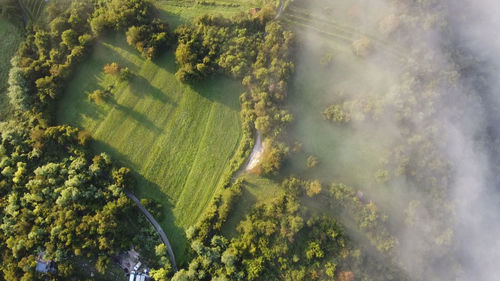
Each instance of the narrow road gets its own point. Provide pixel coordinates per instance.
(156, 225)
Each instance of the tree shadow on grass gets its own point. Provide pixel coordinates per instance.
(167, 60)
(110, 54)
(74, 107)
(220, 89)
(142, 119)
(172, 19)
(144, 188)
(242, 208)
(139, 85)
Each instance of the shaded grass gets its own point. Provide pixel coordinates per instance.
(178, 139)
(11, 37)
(256, 190)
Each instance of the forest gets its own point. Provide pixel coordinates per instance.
(373, 122)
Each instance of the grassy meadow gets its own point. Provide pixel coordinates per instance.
(178, 138)
(11, 37)
(183, 12)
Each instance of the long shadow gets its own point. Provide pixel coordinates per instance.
(144, 188)
(139, 117)
(139, 85)
(167, 60)
(172, 19)
(246, 202)
(72, 100)
(220, 89)
(118, 41)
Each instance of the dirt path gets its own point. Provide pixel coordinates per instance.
(257, 150)
(157, 226)
(254, 158)
(280, 9)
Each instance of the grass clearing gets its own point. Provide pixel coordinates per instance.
(178, 138)
(255, 190)
(177, 12)
(182, 12)
(11, 37)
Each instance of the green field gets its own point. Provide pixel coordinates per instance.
(178, 138)
(183, 12)
(348, 153)
(11, 36)
(177, 12)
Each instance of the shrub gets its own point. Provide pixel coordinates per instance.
(125, 74)
(272, 158)
(335, 113)
(312, 161)
(111, 68)
(313, 188)
(362, 47)
(85, 40)
(69, 38)
(84, 137)
(99, 96)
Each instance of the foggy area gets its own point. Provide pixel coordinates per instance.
(431, 76)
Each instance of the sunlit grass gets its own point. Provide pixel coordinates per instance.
(177, 138)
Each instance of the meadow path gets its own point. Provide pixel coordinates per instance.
(156, 225)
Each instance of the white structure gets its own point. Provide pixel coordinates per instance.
(131, 276)
(136, 267)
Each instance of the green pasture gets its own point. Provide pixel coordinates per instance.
(179, 139)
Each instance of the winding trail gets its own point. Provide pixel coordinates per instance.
(156, 225)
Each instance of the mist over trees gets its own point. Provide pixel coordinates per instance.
(437, 174)
(438, 118)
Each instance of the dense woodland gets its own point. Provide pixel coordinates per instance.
(48, 171)
(61, 199)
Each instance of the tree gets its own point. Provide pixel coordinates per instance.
(125, 74)
(335, 113)
(313, 188)
(314, 251)
(99, 96)
(312, 161)
(111, 68)
(70, 38)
